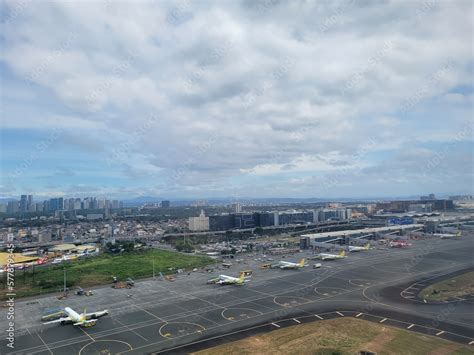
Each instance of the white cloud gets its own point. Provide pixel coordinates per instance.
(279, 85)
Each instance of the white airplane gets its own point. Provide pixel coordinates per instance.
(447, 236)
(84, 319)
(325, 256)
(228, 280)
(357, 248)
(285, 265)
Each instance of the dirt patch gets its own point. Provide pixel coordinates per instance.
(378, 343)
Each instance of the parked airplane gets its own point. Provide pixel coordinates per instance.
(399, 244)
(357, 248)
(289, 265)
(84, 319)
(228, 280)
(325, 256)
(448, 235)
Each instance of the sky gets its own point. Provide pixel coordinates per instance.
(196, 99)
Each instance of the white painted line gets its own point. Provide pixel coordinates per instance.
(409, 296)
(439, 333)
(383, 320)
(357, 316)
(276, 325)
(410, 326)
(411, 293)
(318, 316)
(471, 343)
(424, 301)
(296, 320)
(342, 315)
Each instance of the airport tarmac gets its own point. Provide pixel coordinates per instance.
(163, 316)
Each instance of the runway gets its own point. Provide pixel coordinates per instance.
(164, 315)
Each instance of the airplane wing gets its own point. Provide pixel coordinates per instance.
(86, 322)
(59, 320)
(97, 314)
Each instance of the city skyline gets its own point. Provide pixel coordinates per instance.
(208, 100)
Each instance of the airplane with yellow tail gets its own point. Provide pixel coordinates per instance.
(326, 256)
(357, 248)
(289, 265)
(84, 319)
(229, 280)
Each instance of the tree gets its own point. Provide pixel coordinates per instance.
(186, 247)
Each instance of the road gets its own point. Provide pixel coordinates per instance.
(377, 285)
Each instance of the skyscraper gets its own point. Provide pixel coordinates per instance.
(31, 206)
(23, 203)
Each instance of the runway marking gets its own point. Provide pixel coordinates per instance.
(312, 282)
(111, 340)
(439, 333)
(151, 314)
(357, 316)
(169, 335)
(342, 315)
(296, 320)
(86, 333)
(410, 326)
(246, 309)
(318, 316)
(276, 325)
(383, 320)
(130, 329)
(47, 347)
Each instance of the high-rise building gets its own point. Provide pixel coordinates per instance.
(56, 204)
(200, 223)
(23, 203)
(236, 207)
(165, 204)
(30, 203)
(12, 206)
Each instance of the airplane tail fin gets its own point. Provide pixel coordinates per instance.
(458, 234)
(342, 253)
(367, 246)
(242, 276)
(301, 263)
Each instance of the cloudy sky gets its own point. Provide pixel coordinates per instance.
(236, 98)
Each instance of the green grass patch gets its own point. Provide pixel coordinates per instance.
(97, 270)
(458, 286)
(338, 336)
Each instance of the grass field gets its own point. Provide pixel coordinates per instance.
(459, 286)
(339, 336)
(99, 270)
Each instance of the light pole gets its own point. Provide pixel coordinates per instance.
(64, 280)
